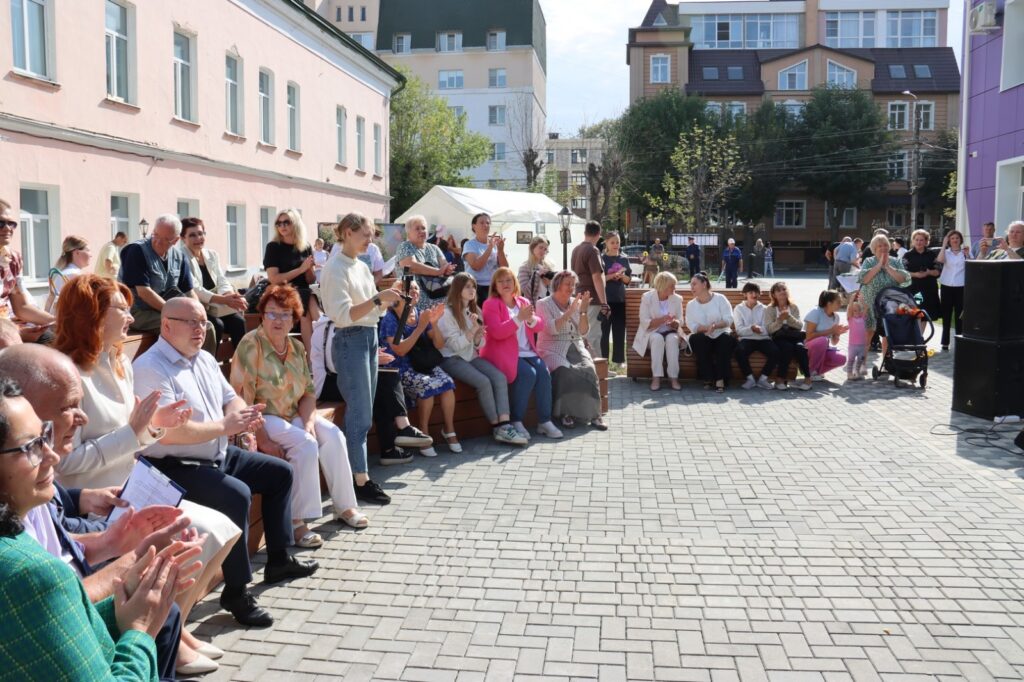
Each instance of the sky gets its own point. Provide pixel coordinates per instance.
(588, 79)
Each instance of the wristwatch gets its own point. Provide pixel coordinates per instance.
(376, 300)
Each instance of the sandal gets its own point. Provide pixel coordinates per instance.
(568, 422)
(449, 437)
(356, 520)
(310, 540)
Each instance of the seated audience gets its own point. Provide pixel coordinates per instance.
(575, 388)
(1012, 247)
(661, 329)
(483, 254)
(426, 262)
(536, 272)
(288, 259)
(709, 319)
(824, 329)
(784, 326)
(224, 305)
(752, 335)
(988, 243)
(463, 332)
(421, 387)
(511, 327)
(270, 368)
(33, 324)
(197, 456)
(74, 259)
(108, 260)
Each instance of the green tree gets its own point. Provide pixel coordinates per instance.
(844, 147)
(430, 145)
(706, 168)
(938, 161)
(766, 146)
(603, 178)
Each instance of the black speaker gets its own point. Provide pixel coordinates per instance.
(988, 377)
(994, 300)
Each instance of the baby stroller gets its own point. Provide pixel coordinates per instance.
(906, 358)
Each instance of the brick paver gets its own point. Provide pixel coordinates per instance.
(827, 535)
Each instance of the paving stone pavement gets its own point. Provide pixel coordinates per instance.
(827, 535)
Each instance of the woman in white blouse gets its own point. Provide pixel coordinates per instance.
(74, 258)
(709, 319)
(661, 329)
(224, 305)
(953, 256)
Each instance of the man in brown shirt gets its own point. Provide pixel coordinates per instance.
(586, 263)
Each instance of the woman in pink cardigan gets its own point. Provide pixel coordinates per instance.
(510, 344)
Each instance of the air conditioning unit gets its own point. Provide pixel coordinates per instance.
(982, 18)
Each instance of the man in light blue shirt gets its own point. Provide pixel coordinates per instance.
(483, 254)
(845, 256)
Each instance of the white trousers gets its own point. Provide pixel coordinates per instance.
(303, 452)
(660, 347)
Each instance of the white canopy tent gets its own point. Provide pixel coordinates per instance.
(518, 216)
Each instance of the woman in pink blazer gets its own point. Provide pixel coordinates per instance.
(510, 344)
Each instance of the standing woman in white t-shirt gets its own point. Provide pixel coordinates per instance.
(953, 256)
(709, 319)
(74, 259)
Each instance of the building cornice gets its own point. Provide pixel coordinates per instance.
(50, 131)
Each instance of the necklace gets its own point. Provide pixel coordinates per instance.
(281, 354)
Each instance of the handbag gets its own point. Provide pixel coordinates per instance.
(435, 287)
(254, 293)
(787, 333)
(424, 356)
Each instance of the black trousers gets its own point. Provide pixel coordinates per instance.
(714, 355)
(952, 299)
(482, 292)
(787, 352)
(388, 403)
(167, 641)
(731, 277)
(229, 490)
(614, 325)
(233, 324)
(766, 347)
(694, 267)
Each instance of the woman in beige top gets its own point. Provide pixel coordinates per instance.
(783, 324)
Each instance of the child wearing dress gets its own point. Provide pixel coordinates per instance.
(856, 363)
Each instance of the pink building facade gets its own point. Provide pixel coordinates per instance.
(113, 112)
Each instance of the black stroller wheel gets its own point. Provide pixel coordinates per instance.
(897, 383)
(875, 373)
(923, 379)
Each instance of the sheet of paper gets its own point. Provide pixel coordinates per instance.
(146, 487)
(849, 282)
(389, 265)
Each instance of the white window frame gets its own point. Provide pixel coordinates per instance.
(497, 78)
(1012, 67)
(661, 68)
(378, 147)
(929, 106)
(578, 178)
(360, 144)
(234, 96)
(266, 106)
(449, 41)
(844, 224)
(450, 79)
(341, 135)
(401, 43)
(795, 68)
(1009, 182)
(187, 80)
(364, 38)
(496, 114)
(458, 110)
(120, 223)
(48, 70)
(579, 203)
(549, 156)
(496, 40)
(903, 157)
(745, 31)
(499, 152)
(191, 209)
(863, 20)
(916, 39)
(26, 225)
(892, 213)
(785, 205)
(293, 103)
(236, 235)
(714, 109)
(115, 42)
(839, 68)
(267, 216)
(794, 107)
(737, 108)
(899, 110)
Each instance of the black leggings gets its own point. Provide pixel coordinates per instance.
(714, 356)
(952, 300)
(233, 324)
(614, 325)
(787, 351)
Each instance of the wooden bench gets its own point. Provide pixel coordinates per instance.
(639, 367)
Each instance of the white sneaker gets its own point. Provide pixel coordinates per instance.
(781, 386)
(548, 429)
(508, 434)
(765, 382)
(428, 452)
(749, 383)
(817, 377)
(803, 386)
(521, 430)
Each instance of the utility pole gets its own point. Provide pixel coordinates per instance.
(915, 163)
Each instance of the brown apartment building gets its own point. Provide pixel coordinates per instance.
(738, 53)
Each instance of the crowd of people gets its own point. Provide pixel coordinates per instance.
(76, 413)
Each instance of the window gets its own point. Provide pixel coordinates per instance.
(120, 219)
(266, 84)
(926, 112)
(450, 41)
(660, 68)
(710, 73)
(184, 77)
(912, 29)
(850, 29)
(579, 178)
(660, 21)
(922, 71)
(117, 51)
(181, 210)
(360, 143)
(841, 76)
(496, 115)
(377, 149)
(713, 109)
(402, 43)
(895, 217)
(497, 151)
(362, 13)
(549, 157)
(847, 221)
(351, 13)
(458, 111)
(794, 78)
(233, 94)
(364, 38)
(794, 108)
(1013, 46)
(497, 78)
(234, 221)
(340, 125)
(897, 71)
(751, 31)
(898, 164)
(30, 36)
(897, 115)
(737, 109)
(293, 116)
(267, 215)
(449, 80)
(790, 213)
(735, 73)
(578, 155)
(37, 231)
(337, 14)
(495, 41)
(579, 203)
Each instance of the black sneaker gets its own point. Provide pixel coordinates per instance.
(246, 611)
(1019, 440)
(396, 456)
(411, 437)
(371, 492)
(288, 569)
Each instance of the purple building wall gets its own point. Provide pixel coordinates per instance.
(995, 125)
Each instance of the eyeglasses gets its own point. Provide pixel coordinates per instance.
(281, 223)
(9, 224)
(194, 324)
(33, 449)
(277, 317)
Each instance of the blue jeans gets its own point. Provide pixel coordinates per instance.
(531, 377)
(355, 356)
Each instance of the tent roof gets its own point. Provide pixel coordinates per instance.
(502, 206)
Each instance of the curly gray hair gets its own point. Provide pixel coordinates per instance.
(561, 276)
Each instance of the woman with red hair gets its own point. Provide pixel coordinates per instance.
(270, 367)
(92, 325)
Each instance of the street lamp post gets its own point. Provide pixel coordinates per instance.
(564, 218)
(144, 228)
(915, 165)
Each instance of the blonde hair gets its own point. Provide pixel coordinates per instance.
(416, 219)
(499, 274)
(663, 280)
(298, 229)
(350, 223)
(927, 236)
(68, 247)
(879, 239)
(531, 260)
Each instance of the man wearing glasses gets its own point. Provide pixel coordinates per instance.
(156, 272)
(33, 323)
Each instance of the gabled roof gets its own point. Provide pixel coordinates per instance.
(657, 7)
(941, 61)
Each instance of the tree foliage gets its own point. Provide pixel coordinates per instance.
(938, 161)
(430, 145)
(603, 178)
(766, 146)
